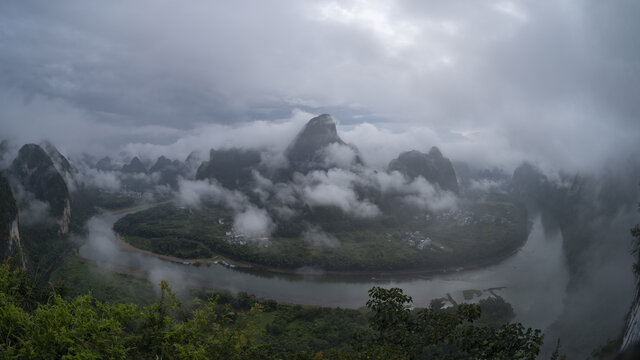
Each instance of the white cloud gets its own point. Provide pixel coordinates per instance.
(418, 192)
(253, 222)
(194, 192)
(335, 188)
(107, 180)
(316, 237)
(337, 155)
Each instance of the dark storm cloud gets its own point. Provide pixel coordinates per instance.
(493, 82)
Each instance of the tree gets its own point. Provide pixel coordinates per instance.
(436, 334)
(38, 323)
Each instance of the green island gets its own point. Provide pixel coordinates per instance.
(477, 233)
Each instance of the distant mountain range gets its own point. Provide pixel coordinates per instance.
(46, 174)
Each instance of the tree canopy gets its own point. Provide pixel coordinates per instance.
(40, 323)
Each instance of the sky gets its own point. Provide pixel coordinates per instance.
(491, 82)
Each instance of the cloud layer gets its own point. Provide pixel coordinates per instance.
(491, 82)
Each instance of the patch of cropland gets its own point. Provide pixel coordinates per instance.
(476, 233)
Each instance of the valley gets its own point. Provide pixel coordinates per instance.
(321, 228)
(538, 264)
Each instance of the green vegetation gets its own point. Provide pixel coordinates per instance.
(87, 201)
(39, 323)
(290, 329)
(81, 278)
(44, 248)
(478, 233)
(436, 334)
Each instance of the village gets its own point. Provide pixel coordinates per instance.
(466, 218)
(237, 238)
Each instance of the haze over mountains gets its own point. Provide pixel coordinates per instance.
(319, 169)
(433, 105)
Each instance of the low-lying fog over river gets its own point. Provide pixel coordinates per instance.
(533, 280)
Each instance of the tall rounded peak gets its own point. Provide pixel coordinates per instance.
(411, 153)
(316, 134)
(434, 167)
(33, 155)
(322, 119)
(435, 151)
(308, 149)
(321, 125)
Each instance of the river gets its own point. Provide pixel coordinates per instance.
(533, 280)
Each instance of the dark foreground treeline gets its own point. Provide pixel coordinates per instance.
(41, 323)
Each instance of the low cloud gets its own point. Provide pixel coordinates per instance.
(335, 188)
(253, 222)
(35, 211)
(316, 237)
(327, 194)
(107, 180)
(418, 192)
(249, 220)
(425, 196)
(30, 209)
(485, 185)
(194, 192)
(337, 155)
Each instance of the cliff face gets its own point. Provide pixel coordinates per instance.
(632, 332)
(35, 171)
(10, 244)
(65, 219)
(311, 148)
(434, 167)
(631, 336)
(231, 168)
(59, 161)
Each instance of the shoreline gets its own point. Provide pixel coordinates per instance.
(219, 259)
(135, 208)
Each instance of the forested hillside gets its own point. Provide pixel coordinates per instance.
(41, 323)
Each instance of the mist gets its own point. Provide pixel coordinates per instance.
(491, 84)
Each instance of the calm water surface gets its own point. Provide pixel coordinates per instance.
(533, 280)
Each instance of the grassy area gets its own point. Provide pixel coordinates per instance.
(476, 233)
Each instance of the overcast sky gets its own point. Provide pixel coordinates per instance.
(557, 82)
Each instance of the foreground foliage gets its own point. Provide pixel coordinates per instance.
(436, 334)
(39, 323)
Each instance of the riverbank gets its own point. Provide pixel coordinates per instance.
(218, 259)
(538, 265)
(135, 208)
(197, 237)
